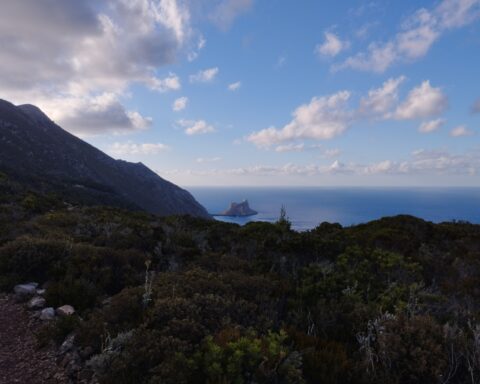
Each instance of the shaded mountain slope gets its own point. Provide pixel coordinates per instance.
(40, 154)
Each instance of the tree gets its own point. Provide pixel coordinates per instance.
(283, 220)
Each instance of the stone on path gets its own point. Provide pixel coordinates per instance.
(28, 289)
(21, 360)
(36, 302)
(65, 310)
(47, 314)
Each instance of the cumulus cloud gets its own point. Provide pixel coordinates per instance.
(204, 76)
(416, 36)
(323, 118)
(225, 13)
(329, 116)
(431, 126)
(380, 101)
(234, 86)
(57, 53)
(331, 46)
(180, 104)
(460, 131)
(423, 101)
(84, 115)
(377, 58)
(130, 148)
(169, 83)
(195, 127)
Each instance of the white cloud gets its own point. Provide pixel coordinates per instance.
(130, 148)
(334, 152)
(431, 126)
(180, 104)
(169, 83)
(331, 46)
(290, 148)
(70, 52)
(234, 86)
(460, 131)
(421, 162)
(443, 162)
(208, 159)
(381, 167)
(422, 102)
(458, 13)
(195, 127)
(225, 13)
(418, 33)
(378, 58)
(329, 116)
(84, 115)
(204, 76)
(321, 119)
(193, 54)
(380, 101)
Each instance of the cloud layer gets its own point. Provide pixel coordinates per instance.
(59, 53)
(417, 35)
(130, 148)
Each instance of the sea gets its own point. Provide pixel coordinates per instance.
(308, 207)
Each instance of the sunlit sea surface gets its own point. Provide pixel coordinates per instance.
(308, 207)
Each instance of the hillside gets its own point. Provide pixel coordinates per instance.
(42, 156)
(186, 300)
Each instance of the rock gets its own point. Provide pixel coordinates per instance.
(67, 345)
(239, 209)
(28, 289)
(47, 314)
(41, 292)
(65, 310)
(36, 302)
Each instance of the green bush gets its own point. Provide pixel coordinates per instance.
(31, 259)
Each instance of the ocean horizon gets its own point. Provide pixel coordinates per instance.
(307, 207)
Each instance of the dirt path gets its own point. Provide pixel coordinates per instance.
(20, 360)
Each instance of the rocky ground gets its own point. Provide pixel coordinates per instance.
(21, 361)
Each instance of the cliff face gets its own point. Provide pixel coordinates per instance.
(239, 209)
(39, 153)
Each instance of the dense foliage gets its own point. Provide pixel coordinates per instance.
(183, 300)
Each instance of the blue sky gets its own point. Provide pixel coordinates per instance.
(272, 92)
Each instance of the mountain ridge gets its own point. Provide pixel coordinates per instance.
(44, 156)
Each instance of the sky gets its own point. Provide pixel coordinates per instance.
(258, 92)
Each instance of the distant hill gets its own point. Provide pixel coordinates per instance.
(41, 155)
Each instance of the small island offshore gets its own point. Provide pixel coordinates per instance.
(239, 210)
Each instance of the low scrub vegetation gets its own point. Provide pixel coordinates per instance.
(183, 300)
